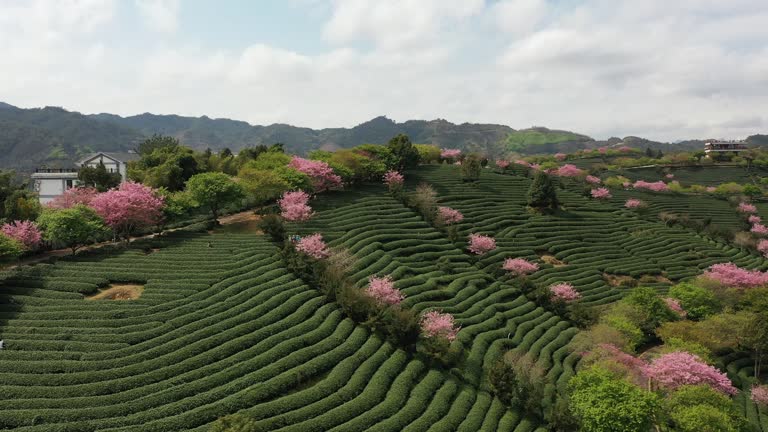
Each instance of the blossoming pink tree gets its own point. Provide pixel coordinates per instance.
(674, 306)
(383, 291)
(759, 395)
(294, 206)
(519, 266)
(759, 229)
(74, 196)
(522, 163)
(129, 207)
(449, 216)
(593, 180)
(600, 193)
(711, 189)
(746, 208)
(731, 275)
(762, 247)
(634, 203)
(503, 164)
(564, 292)
(560, 156)
(480, 244)
(681, 368)
(658, 186)
(670, 176)
(314, 246)
(439, 325)
(450, 154)
(25, 232)
(321, 174)
(394, 181)
(569, 170)
(754, 219)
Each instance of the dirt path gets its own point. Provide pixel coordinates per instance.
(244, 216)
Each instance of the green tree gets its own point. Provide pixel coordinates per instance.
(73, 227)
(603, 401)
(470, 168)
(406, 156)
(698, 301)
(214, 190)
(165, 167)
(428, 153)
(698, 155)
(752, 191)
(98, 177)
(22, 204)
(652, 308)
(699, 408)
(155, 142)
(10, 249)
(542, 194)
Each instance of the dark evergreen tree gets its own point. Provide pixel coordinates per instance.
(470, 168)
(406, 155)
(98, 177)
(542, 194)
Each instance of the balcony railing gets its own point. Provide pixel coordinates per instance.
(56, 170)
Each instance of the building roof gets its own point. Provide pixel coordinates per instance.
(118, 156)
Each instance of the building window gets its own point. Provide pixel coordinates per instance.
(70, 184)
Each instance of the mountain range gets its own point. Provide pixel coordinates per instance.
(55, 137)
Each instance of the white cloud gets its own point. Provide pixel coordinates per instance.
(160, 15)
(660, 69)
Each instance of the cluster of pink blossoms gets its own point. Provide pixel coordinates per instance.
(73, 196)
(746, 208)
(314, 246)
(393, 179)
(634, 203)
(449, 216)
(625, 149)
(754, 219)
(294, 206)
(762, 247)
(321, 174)
(383, 291)
(674, 306)
(710, 189)
(682, 368)
(560, 156)
(519, 266)
(759, 229)
(25, 232)
(658, 186)
(670, 176)
(730, 275)
(564, 292)
(600, 193)
(503, 164)
(436, 324)
(569, 170)
(522, 163)
(602, 150)
(450, 153)
(593, 180)
(760, 395)
(480, 244)
(130, 205)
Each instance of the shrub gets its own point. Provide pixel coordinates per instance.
(10, 248)
(699, 302)
(273, 226)
(425, 201)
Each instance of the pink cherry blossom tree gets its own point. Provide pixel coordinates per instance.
(593, 180)
(25, 232)
(519, 266)
(439, 325)
(762, 247)
(394, 181)
(674, 306)
(564, 292)
(569, 170)
(759, 395)
(759, 229)
(522, 163)
(670, 176)
(754, 219)
(450, 153)
(731, 275)
(634, 203)
(658, 186)
(294, 206)
(74, 196)
(560, 156)
(320, 173)
(480, 244)
(600, 193)
(313, 246)
(503, 164)
(383, 291)
(680, 368)
(449, 216)
(129, 207)
(746, 208)
(710, 189)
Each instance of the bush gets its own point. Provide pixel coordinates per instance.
(273, 226)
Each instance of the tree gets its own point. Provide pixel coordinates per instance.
(294, 206)
(165, 166)
(752, 191)
(25, 232)
(518, 381)
(698, 301)
(680, 368)
(128, 208)
(10, 248)
(155, 142)
(22, 204)
(602, 401)
(225, 152)
(98, 177)
(699, 408)
(698, 155)
(470, 168)
(72, 227)
(648, 152)
(541, 194)
(406, 156)
(215, 191)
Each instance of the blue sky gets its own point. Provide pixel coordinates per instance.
(657, 68)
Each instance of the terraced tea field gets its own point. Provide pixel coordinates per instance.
(222, 326)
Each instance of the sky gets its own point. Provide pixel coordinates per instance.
(660, 69)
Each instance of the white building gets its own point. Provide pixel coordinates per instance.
(52, 182)
(722, 146)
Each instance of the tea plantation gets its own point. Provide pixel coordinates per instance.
(223, 326)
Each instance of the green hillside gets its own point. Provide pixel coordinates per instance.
(540, 140)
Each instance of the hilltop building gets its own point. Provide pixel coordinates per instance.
(52, 182)
(721, 146)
